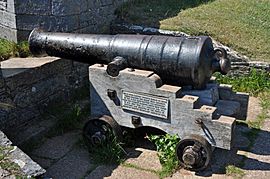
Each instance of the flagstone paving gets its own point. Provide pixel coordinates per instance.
(64, 157)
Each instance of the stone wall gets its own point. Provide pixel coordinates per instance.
(82, 16)
(8, 20)
(29, 85)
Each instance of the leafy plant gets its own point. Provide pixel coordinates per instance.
(166, 145)
(254, 83)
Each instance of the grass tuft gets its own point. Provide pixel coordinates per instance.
(70, 119)
(11, 49)
(7, 49)
(109, 152)
(234, 171)
(23, 49)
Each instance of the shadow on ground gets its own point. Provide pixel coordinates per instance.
(239, 156)
(154, 10)
(221, 158)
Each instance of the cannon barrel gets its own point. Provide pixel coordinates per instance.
(177, 60)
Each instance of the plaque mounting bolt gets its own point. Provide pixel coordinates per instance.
(136, 120)
(111, 94)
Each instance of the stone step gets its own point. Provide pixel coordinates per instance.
(15, 155)
(31, 133)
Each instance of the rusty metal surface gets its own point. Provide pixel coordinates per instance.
(177, 60)
(194, 152)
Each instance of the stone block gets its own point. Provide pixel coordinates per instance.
(33, 7)
(207, 96)
(57, 147)
(88, 29)
(101, 172)
(226, 93)
(113, 172)
(7, 19)
(23, 34)
(10, 6)
(8, 33)
(29, 22)
(16, 66)
(147, 159)
(3, 5)
(106, 2)
(4, 141)
(66, 24)
(86, 19)
(65, 7)
(228, 108)
(7, 5)
(31, 133)
(27, 165)
(84, 5)
(48, 23)
(75, 164)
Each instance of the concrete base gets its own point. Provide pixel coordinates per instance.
(140, 94)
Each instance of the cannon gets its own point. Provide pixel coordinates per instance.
(152, 81)
(177, 60)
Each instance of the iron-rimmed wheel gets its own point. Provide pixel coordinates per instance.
(194, 152)
(99, 130)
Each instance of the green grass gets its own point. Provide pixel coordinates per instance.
(234, 171)
(243, 25)
(7, 49)
(255, 83)
(10, 49)
(69, 117)
(109, 152)
(23, 49)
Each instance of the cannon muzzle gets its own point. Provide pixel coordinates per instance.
(177, 60)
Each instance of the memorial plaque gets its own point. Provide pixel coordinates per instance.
(146, 104)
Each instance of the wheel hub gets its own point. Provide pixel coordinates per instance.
(98, 138)
(98, 131)
(194, 152)
(190, 157)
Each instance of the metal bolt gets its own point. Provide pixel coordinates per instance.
(111, 94)
(198, 121)
(131, 69)
(135, 120)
